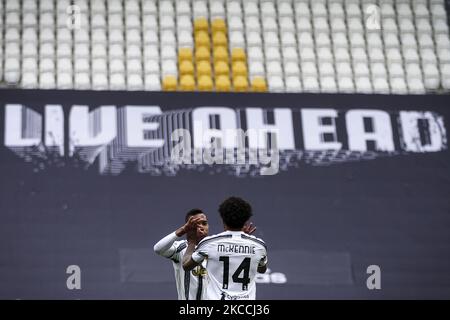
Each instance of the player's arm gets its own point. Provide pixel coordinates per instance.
(188, 262)
(193, 257)
(166, 247)
(249, 228)
(262, 269)
(262, 266)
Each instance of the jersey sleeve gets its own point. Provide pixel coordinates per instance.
(167, 246)
(201, 252)
(263, 261)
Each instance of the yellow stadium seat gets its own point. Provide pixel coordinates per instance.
(205, 83)
(238, 54)
(239, 69)
(220, 54)
(203, 68)
(218, 25)
(202, 39)
(202, 53)
(187, 83)
(186, 67)
(240, 83)
(219, 39)
(223, 83)
(170, 83)
(201, 24)
(221, 68)
(259, 84)
(184, 54)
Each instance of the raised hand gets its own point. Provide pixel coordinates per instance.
(190, 225)
(249, 228)
(196, 229)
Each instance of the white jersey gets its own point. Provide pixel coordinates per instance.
(191, 285)
(232, 261)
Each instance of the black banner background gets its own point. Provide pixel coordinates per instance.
(324, 225)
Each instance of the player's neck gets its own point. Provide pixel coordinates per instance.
(233, 229)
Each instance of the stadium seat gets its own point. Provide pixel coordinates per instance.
(346, 84)
(169, 83)
(380, 85)
(328, 84)
(272, 54)
(143, 41)
(311, 84)
(398, 86)
(276, 83)
(291, 69)
(293, 84)
(256, 68)
(223, 83)
(415, 86)
(185, 54)
(187, 82)
(363, 84)
(169, 68)
(152, 82)
(240, 83)
(221, 68)
(219, 25)
(220, 54)
(202, 53)
(343, 69)
(29, 80)
(205, 83)
(81, 81)
(99, 81)
(239, 68)
(186, 68)
(259, 84)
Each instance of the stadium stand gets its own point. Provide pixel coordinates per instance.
(350, 46)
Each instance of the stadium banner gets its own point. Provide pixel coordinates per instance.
(350, 192)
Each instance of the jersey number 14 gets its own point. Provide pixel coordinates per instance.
(244, 266)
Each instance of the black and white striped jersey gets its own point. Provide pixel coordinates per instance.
(190, 285)
(232, 261)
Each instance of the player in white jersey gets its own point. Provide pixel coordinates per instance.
(190, 284)
(233, 257)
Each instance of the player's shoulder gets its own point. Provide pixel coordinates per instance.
(179, 247)
(254, 239)
(214, 237)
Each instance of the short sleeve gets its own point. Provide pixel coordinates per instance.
(263, 261)
(201, 253)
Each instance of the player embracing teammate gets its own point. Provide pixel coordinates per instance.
(232, 257)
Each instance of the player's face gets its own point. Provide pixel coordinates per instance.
(203, 223)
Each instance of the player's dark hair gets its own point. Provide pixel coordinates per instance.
(192, 212)
(235, 212)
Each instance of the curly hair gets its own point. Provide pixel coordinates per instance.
(235, 212)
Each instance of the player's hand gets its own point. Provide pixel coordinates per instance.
(195, 235)
(249, 228)
(189, 226)
(195, 230)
